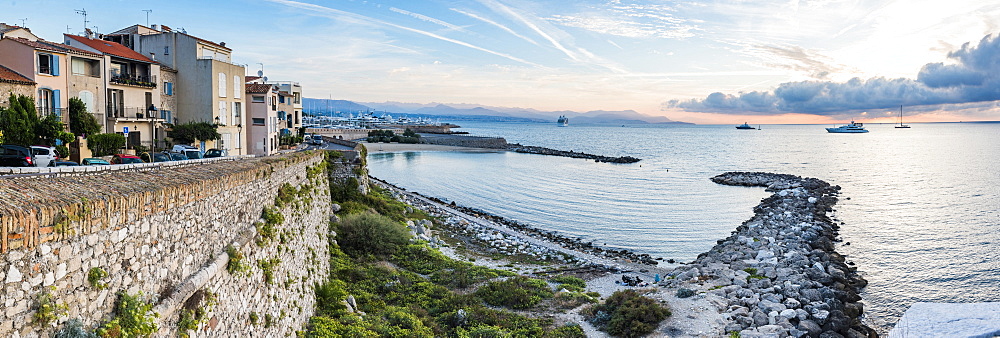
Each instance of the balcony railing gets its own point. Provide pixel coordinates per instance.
(133, 113)
(220, 59)
(134, 80)
(62, 113)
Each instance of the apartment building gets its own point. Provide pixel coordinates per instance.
(132, 96)
(210, 87)
(263, 123)
(49, 65)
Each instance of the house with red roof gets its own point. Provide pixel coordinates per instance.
(262, 112)
(209, 85)
(12, 82)
(47, 64)
(132, 97)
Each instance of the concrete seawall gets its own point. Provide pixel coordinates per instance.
(164, 233)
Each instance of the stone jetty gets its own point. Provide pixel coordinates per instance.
(778, 274)
(554, 152)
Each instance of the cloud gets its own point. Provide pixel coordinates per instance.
(494, 23)
(972, 75)
(427, 19)
(630, 20)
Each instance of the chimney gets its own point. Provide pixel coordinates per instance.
(156, 27)
(223, 44)
(152, 56)
(88, 33)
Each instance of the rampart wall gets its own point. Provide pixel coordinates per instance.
(164, 233)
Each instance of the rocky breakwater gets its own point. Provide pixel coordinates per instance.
(553, 152)
(778, 274)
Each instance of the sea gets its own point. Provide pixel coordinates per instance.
(920, 206)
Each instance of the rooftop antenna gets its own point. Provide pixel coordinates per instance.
(22, 21)
(67, 29)
(84, 13)
(261, 68)
(97, 32)
(147, 15)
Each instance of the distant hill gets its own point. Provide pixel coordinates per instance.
(476, 112)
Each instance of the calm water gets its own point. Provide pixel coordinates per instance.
(923, 219)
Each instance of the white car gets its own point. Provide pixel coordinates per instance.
(44, 156)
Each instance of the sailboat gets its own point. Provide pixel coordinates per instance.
(901, 125)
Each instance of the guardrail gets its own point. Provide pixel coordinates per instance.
(17, 172)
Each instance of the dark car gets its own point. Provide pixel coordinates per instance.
(216, 153)
(156, 157)
(177, 157)
(125, 159)
(16, 156)
(95, 161)
(66, 164)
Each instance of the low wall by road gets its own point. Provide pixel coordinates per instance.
(164, 234)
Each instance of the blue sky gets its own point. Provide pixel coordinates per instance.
(699, 61)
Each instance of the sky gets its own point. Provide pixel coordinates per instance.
(824, 61)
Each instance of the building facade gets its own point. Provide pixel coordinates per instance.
(209, 86)
(262, 118)
(132, 93)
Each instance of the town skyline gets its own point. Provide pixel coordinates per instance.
(688, 62)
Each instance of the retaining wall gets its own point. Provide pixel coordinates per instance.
(164, 233)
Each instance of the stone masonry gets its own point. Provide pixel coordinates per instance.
(164, 233)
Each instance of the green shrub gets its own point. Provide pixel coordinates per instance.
(518, 292)
(268, 266)
(567, 331)
(626, 313)
(105, 144)
(74, 329)
(134, 317)
(236, 265)
(572, 280)
(370, 234)
(48, 309)
(94, 277)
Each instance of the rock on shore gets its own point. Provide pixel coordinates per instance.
(554, 152)
(779, 271)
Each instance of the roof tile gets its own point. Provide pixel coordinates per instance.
(111, 47)
(9, 76)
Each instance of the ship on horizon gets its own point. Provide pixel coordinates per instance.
(563, 121)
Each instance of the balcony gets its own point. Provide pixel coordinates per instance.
(134, 114)
(62, 113)
(134, 80)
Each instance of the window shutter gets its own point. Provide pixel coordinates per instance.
(222, 85)
(55, 65)
(236, 86)
(170, 88)
(55, 102)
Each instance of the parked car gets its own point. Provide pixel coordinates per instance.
(212, 153)
(154, 157)
(189, 151)
(177, 156)
(66, 164)
(16, 156)
(125, 159)
(95, 161)
(44, 156)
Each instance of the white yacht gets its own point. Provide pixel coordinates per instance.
(853, 127)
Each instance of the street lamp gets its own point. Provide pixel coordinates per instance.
(239, 137)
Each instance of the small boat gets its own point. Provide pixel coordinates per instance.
(851, 128)
(901, 125)
(563, 121)
(745, 126)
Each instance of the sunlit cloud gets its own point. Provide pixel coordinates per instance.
(495, 24)
(426, 18)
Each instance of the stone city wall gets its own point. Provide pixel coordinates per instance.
(465, 141)
(164, 234)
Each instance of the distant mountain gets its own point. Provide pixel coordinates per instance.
(325, 105)
(476, 112)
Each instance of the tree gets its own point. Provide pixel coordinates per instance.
(80, 121)
(49, 129)
(18, 121)
(105, 144)
(192, 132)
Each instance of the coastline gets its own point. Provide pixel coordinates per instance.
(405, 147)
(777, 274)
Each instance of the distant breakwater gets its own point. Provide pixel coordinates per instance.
(501, 143)
(779, 272)
(553, 152)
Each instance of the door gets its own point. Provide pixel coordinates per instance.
(149, 104)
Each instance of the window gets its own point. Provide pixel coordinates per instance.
(236, 86)
(258, 121)
(222, 84)
(166, 50)
(118, 69)
(88, 100)
(257, 99)
(225, 141)
(168, 88)
(48, 64)
(222, 113)
(281, 99)
(237, 111)
(48, 101)
(86, 67)
(167, 115)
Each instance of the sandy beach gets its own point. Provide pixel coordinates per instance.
(404, 147)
